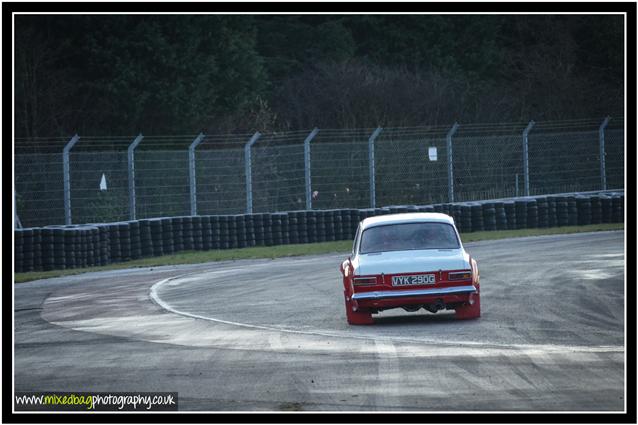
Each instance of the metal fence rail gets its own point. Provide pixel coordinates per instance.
(83, 179)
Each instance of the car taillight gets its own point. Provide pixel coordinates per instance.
(369, 280)
(460, 275)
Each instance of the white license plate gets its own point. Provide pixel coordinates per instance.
(421, 279)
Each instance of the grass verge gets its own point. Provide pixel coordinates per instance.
(194, 257)
(521, 233)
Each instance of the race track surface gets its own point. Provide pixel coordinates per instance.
(271, 335)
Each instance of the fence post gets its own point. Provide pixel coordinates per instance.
(525, 156)
(450, 163)
(16, 220)
(131, 175)
(67, 178)
(373, 199)
(601, 139)
(249, 172)
(306, 155)
(191, 172)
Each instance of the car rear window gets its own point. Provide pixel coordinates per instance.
(408, 236)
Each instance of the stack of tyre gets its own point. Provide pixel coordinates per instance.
(489, 215)
(73, 246)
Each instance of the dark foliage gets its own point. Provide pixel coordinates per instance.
(118, 74)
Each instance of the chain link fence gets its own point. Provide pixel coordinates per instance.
(411, 166)
(278, 176)
(114, 179)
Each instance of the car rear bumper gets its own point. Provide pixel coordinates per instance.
(413, 293)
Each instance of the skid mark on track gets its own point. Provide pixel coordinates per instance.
(388, 388)
(125, 311)
(481, 348)
(135, 318)
(307, 356)
(274, 341)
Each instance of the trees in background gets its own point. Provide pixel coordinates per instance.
(181, 74)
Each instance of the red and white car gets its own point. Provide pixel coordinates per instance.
(410, 261)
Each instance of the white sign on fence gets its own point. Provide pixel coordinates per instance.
(432, 153)
(103, 182)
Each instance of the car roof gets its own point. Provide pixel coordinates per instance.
(406, 218)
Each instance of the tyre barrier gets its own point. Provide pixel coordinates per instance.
(311, 223)
(476, 211)
(466, 218)
(105, 246)
(197, 232)
(333, 222)
(618, 209)
(258, 228)
(167, 240)
(489, 216)
(37, 248)
(187, 233)
(214, 232)
(232, 232)
(276, 228)
(124, 240)
(285, 229)
(532, 213)
(178, 233)
(321, 226)
(27, 250)
(95, 244)
(157, 236)
(551, 212)
(250, 230)
(25, 244)
(596, 209)
(136, 246)
(61, 247)
(18, 249)
(572, 209)
(583, 212)
(521, 213)
(606, 208)
(562, 213)
(501, 215)
(543, 212)
(47, 249)
(302, 225)
(146, 238)
(510, 213)
(293, 232)
(206, 233)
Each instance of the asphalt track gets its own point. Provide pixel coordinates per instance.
(257, 335)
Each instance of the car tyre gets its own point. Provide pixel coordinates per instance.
(357, 317)
(470, 311)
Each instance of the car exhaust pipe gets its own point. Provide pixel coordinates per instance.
(411, 308)
(433, 308)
